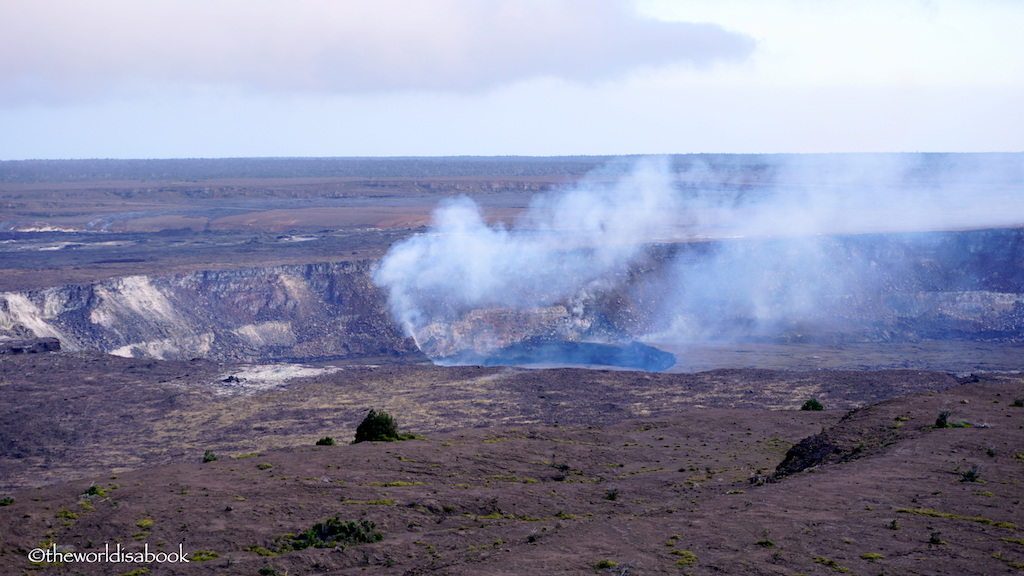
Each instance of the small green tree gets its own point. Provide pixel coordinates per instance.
(377, 427)
(326, 441)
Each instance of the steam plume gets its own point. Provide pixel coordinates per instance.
(707, 249)
(563, 247)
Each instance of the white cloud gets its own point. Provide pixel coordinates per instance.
(347, 77)
(67, 50)
(870, 42)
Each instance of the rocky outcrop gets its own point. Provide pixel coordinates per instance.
(29, 346)
(314, 311)
(481, 331)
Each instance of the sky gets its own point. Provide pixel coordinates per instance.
(236, 78)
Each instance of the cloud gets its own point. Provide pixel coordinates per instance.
(54, 50)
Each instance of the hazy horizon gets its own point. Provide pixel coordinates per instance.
(595, 156)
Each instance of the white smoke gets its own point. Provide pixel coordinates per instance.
(565, 243)
(802, 251)
(754, 240)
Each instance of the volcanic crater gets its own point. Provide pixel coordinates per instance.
(234, 308)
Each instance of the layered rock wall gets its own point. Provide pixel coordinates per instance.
(946, 286)
(313, 311)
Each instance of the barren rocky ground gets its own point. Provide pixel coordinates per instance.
(642, 484)
(65, 415)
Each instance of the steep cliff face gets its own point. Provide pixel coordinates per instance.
(887, 288)
(286, 312)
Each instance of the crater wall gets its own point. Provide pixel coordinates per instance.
(305, 312)
(966, 286)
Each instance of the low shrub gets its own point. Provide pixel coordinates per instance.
(943, 421)
(331, 533)
(94, 490)
(813, 404)
(326, 441)
(972, 474)
(203, 556)
(686, 558)
(766, 541)
(831, 564)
